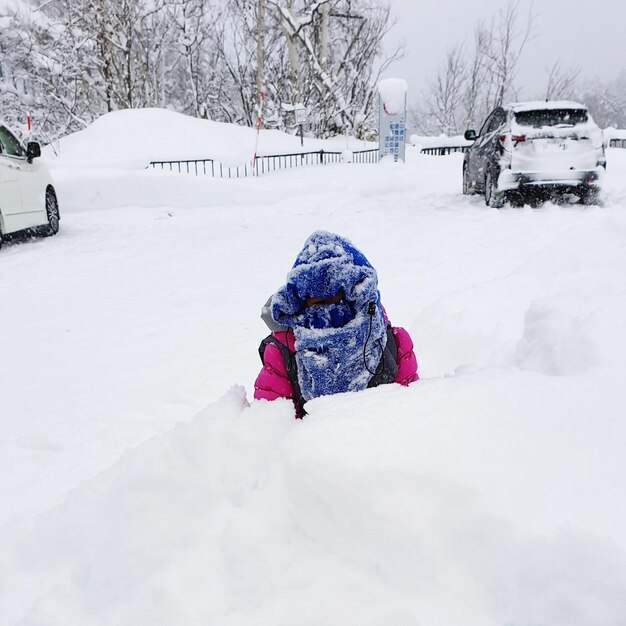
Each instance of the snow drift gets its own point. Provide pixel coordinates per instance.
(104, 166)
(131, 138)
(135, 489)
(440, 510)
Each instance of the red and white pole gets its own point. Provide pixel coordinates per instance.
(259, 122)
(28, 124)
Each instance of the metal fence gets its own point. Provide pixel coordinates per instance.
(443, 150)
(365, 156)
(262, 165)
(202, 167)
(274, 162)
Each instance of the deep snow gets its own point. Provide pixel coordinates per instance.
(136, 488)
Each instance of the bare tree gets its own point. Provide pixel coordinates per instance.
(189, 64)
(448, 91)
(606, 101)
(478, 71)
(508, 40)
(343, 88)
(467, 87)
(287, 19)
(560, 83)
(260, 44)
(69, 61)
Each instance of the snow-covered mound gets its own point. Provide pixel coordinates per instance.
(136, 489)
(393, 95)
(131, 138)
(440, 510)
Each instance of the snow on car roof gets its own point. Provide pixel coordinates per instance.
(545, 104)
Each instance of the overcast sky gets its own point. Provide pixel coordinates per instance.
(590, 34)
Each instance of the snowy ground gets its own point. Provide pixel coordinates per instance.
(138, 487)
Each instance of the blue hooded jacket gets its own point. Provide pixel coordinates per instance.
(338, 345)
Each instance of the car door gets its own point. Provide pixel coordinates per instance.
(10, 198)
(28, 208)
(488, 150)
(475, 154)
(492, 147)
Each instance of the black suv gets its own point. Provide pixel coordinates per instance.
(530, 151)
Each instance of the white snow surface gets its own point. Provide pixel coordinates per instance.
(545, 104)
(393, 95)
(139, 484)
(131, 138)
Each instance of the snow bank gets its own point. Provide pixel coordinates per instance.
(489, 493)
(441, 510)
(104, 165)
(131, 138)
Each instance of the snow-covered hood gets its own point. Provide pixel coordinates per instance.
(328, 264)
(338, 345)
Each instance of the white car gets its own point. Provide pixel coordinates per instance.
(28, 201)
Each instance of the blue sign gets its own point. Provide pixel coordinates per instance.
(392, 119)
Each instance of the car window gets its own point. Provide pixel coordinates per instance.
(497, 120)
(551, 117)
(9, 144)
(485, 126)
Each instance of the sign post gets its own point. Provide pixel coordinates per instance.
(392, 118)
(259, 122)
(301, 120)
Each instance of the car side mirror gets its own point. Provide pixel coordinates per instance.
(470, 135)
(33, 150)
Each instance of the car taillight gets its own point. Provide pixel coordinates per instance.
(514, 138)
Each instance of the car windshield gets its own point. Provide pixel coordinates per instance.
(9, 144)
(551, 117)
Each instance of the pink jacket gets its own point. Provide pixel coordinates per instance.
(273, 382)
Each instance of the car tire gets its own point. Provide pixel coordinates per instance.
(516, 200)
(52, 211)
(590, 197)
(468, 190)
(493, 197)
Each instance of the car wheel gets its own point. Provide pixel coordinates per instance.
(468, 190)
(516, 199)
(52, 210)
(590, 197)
(493, 197)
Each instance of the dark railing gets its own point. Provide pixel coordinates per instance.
(365, 156)
(443, 150)
(262, 165)
(274, 162)
(204, 167)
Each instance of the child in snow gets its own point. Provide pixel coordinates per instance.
(330, 332)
